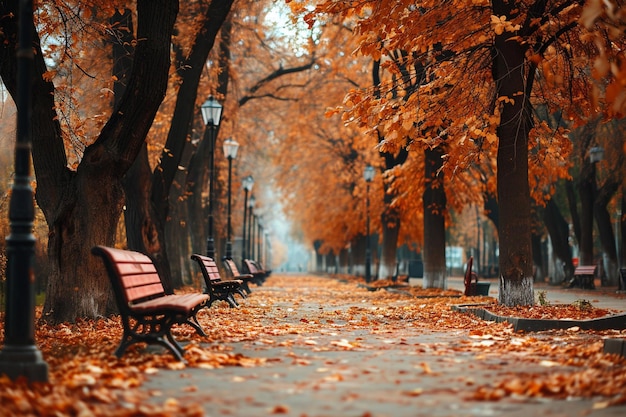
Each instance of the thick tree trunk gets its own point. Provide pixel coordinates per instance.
(434, 201)
(82, 209)
(516, 275)
(141, 231)
(587, 192)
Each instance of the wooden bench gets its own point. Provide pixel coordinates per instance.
(231, 266)
(258, 275)
(584, 276)
(147, 312)
(216, 288)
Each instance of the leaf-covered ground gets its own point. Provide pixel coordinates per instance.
(312, 313)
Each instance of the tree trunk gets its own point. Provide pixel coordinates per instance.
(197, 180)
(141, 231)
(390, 220)
(434, 201)
(142, 228)
(558, 229)
(605, 230)
(587, 192)
(390, 217)
(358, 245)
(516, 277)
(198, 174)
(190, 72)
(82, 208)
(622, 229)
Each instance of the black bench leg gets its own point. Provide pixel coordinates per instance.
(246, 287)
(127, 340)
(231, 300)
(169, 343)
(193, 322)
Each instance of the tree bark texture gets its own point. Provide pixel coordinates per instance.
(141, 231)
(82, 208)
(434, 202)
(516, 277)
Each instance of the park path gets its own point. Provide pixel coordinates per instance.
(317, 346)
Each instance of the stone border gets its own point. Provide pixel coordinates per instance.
(615, 346)
(613, 322)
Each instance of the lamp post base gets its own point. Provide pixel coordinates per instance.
(23, 361)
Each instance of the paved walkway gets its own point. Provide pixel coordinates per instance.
(337, 350)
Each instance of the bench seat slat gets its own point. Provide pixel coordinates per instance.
(180, 303)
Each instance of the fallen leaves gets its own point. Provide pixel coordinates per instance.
(317, 314)
(582, 310)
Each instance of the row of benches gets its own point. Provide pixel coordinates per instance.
(148, 313)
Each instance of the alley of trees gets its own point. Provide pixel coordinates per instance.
(479, 119)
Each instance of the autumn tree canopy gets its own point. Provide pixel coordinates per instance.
(489, 65)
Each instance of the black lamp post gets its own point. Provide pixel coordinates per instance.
(368, 175)
(248, 182)
(212, 115)
(20, 356)
(251, 203)
(259, 241)
(230, 151)
(253, 236)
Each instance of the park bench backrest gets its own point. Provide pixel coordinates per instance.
(251, 266)
(210, 271)
(133, 275)
(232, 267)
(585, 270)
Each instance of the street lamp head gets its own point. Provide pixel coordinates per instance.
(230, 148)
(368, 174)
(248, 182)
(251, 202)
(211, 112)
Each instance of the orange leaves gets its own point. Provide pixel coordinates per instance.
(411, 331)
(500, 24)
